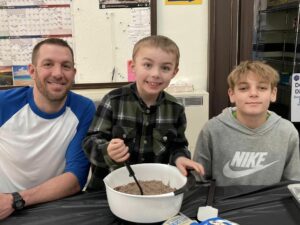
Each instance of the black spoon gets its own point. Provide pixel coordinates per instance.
(118, 132)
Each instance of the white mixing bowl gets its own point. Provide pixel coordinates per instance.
(145, 208)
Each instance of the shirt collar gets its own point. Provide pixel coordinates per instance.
(159, 100)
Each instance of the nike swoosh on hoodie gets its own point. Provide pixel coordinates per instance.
(228, 172)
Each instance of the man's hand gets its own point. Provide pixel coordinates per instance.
(5, 205)
(117, 150)
(183, 164)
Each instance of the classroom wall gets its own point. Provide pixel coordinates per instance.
(103, 40)
(187, 25)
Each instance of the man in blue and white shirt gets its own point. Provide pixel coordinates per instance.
(41, 130)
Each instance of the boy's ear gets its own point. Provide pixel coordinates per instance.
(231, 95)
(131, 65)
(274, 94)
(175, 72)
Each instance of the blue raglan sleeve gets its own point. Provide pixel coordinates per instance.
(76, 161)
(11, 101)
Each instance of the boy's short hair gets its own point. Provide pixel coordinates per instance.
(262, 70)
(50, 41)
(158, 41)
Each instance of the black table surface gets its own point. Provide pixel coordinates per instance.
(243, 205)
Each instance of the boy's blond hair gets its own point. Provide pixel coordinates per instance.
(158, 41)
(262, 70)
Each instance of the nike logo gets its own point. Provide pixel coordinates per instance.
(228, 172)
(247, 163)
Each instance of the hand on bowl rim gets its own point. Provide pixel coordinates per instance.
(183, 164)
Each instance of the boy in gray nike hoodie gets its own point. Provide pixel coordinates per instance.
(247, 144)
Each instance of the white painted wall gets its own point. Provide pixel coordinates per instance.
(187, 25)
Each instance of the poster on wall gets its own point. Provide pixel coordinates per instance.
(108, 4)
(295, 98)
(6, 75)
(183, 2)
(21, 75)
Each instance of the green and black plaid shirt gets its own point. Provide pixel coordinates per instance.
(153, 134)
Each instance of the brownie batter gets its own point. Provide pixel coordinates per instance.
(152, 187)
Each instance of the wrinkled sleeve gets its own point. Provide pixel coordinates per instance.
(76, 161)
(203, 152)
(179, 146)
(99, 135)
(292, 167)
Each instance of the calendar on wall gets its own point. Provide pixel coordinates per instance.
(23, 23)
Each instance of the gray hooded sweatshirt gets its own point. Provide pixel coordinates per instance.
(234, 154)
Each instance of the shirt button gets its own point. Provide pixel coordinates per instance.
(146, 124)
(145, 142)
(147, 111)
(165, 138)
(142, 159)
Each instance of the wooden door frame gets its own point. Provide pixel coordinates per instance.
(230, 42)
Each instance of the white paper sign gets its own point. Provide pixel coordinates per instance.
(295, 98)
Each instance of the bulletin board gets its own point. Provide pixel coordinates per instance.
(101, 32)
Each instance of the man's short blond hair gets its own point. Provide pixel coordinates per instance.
(262, 70)
(158, 41)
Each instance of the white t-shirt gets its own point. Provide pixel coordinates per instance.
(36, 146)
